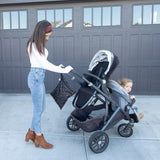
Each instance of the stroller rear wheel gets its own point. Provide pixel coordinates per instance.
(125, 130)
(98, 141)
(71, 124)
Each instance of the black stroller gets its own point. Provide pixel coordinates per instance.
(98, 92)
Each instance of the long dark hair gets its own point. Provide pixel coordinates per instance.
(38, 36)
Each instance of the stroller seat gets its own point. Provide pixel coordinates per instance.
(122, 98)
(102, 65)
(83, 97)
(86, 94)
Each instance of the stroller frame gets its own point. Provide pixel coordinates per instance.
(99, 136)
(105, 93)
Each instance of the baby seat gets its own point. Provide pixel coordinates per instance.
(100, 68)
(121, 97)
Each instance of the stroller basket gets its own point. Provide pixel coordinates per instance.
(88, 124)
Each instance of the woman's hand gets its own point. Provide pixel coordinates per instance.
(68, 69)
(61, 65)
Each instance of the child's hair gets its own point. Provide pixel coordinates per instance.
(124, 81)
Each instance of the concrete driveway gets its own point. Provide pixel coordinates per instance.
(15, 118)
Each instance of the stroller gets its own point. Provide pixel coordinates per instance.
(99, 93)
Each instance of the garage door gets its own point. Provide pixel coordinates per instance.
(79, 31)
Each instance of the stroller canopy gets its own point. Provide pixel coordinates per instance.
(104, 56)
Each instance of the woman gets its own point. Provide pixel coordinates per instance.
(38, 58)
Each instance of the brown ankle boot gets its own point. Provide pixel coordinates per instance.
(140, 115)
(40, 141)
(30, 135)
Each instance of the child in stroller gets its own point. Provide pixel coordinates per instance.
(127, 85)
(98, 92)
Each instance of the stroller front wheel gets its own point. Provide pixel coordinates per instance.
(71, 124)
(125, 130)
(98, 141)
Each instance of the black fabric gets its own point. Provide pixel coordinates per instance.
(134, 117)
(90, 125)
(62, 92)
(83, 96)
(83, 114)
(86, 92)
(84, 121)
(98, 70)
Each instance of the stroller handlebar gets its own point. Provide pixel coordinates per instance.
(73, 73)
(83, 77)
(94, 76)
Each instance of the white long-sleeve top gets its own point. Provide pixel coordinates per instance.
(40, 61)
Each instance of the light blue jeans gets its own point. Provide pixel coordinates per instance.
(36, 84)
(136, 108)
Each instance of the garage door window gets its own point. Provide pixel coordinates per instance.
(13, 20)
(146, 14)
(156, 14)
(102, 16)
(59, 18)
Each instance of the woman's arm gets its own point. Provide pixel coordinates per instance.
(48, 65)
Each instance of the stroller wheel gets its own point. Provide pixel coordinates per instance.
(125, 130)
(98, 141)
(71, 124)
